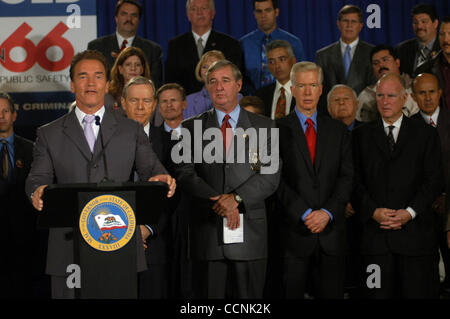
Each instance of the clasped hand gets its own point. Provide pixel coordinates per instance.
(225, 205)
(316, 221)
(391, 219)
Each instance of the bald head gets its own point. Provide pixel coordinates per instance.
(426, 92)
(391, 97)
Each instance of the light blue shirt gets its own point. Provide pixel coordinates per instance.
(234, 116)
(302, 118)
(251, 44)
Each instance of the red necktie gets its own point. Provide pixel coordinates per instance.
(432, 122)
(226, 134)
(280, 110)
(124, 45)
(310, 134)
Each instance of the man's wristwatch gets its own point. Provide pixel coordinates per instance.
(238, 198)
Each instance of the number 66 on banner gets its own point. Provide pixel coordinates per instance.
(36, 53)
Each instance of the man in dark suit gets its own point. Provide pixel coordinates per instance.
(228, 225)
(415, 52)
(139, 101)
(68, 151)
(427, 94)
(398, 176)
(127, 15)
(185, 51)
(277, 96)
(18, 219)
(346, 61)
(440, 64)
(315, 187)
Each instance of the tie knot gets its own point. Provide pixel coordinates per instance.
(348, 48)
(309, 122)
(282, 90)
(226, 118)
(89, 118)
(391, 128)
(125, 42)
(4, 142)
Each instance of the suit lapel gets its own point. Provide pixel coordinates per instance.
(402, 136)
(338, 62)
(379, 137)
(108, 128)
(300, 140)
(19, 158)
(212, 42)
(74, 132)
(322, 141)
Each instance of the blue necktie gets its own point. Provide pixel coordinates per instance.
(347, 60)
(266, 77)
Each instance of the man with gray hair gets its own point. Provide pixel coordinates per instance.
(184, 51)
(277, 96)
(342, 105)
(398, 177)
(315, 187)
(223, 192)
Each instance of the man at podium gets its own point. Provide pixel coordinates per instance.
(67, 150)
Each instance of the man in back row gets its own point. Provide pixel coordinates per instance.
(127, 16)
(184, 51)
(253, 45)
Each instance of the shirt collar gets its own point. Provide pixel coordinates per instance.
(287, 86)
(80, 114)
(273, 34)
(204, 36)
(9, 139)
(147, 129)
(234, 116)
(397, 123)
(429, 45)
(302, 118)
(121, 38)
(167, 128)
(352, 45)
(434, 116)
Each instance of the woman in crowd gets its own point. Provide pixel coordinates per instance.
(130, 62)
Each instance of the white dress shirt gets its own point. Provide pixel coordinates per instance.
(276, 95)
(434, 116)
(204, 37)
(121, 38)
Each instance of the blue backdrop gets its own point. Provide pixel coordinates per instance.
(314, 21)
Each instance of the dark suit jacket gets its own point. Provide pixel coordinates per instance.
(19, 224)
(203, 180)
(434, 66)
(182, 57)
(409, 177)
(407, 51)
(62, 155)
(159, 243)
(326, 184)
(266, 94)
(152, 50)
(360, 73)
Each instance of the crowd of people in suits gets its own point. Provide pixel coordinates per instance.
(363, 150)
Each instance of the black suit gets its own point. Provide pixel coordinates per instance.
(182, 57)
(19, 230)
(109, 47)
(407, 51)
(327, 184)
(154, 282)
(360, 73)
(266, 95)
(443, 128)
(411, 176)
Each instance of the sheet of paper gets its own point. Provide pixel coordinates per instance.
(236, 235)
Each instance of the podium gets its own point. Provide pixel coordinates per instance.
(105, 218)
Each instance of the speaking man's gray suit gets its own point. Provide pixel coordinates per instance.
(204, 180)
(62, 155)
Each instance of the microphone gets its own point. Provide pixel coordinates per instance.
(97, 122)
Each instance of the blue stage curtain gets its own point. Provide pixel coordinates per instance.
(313, 21)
